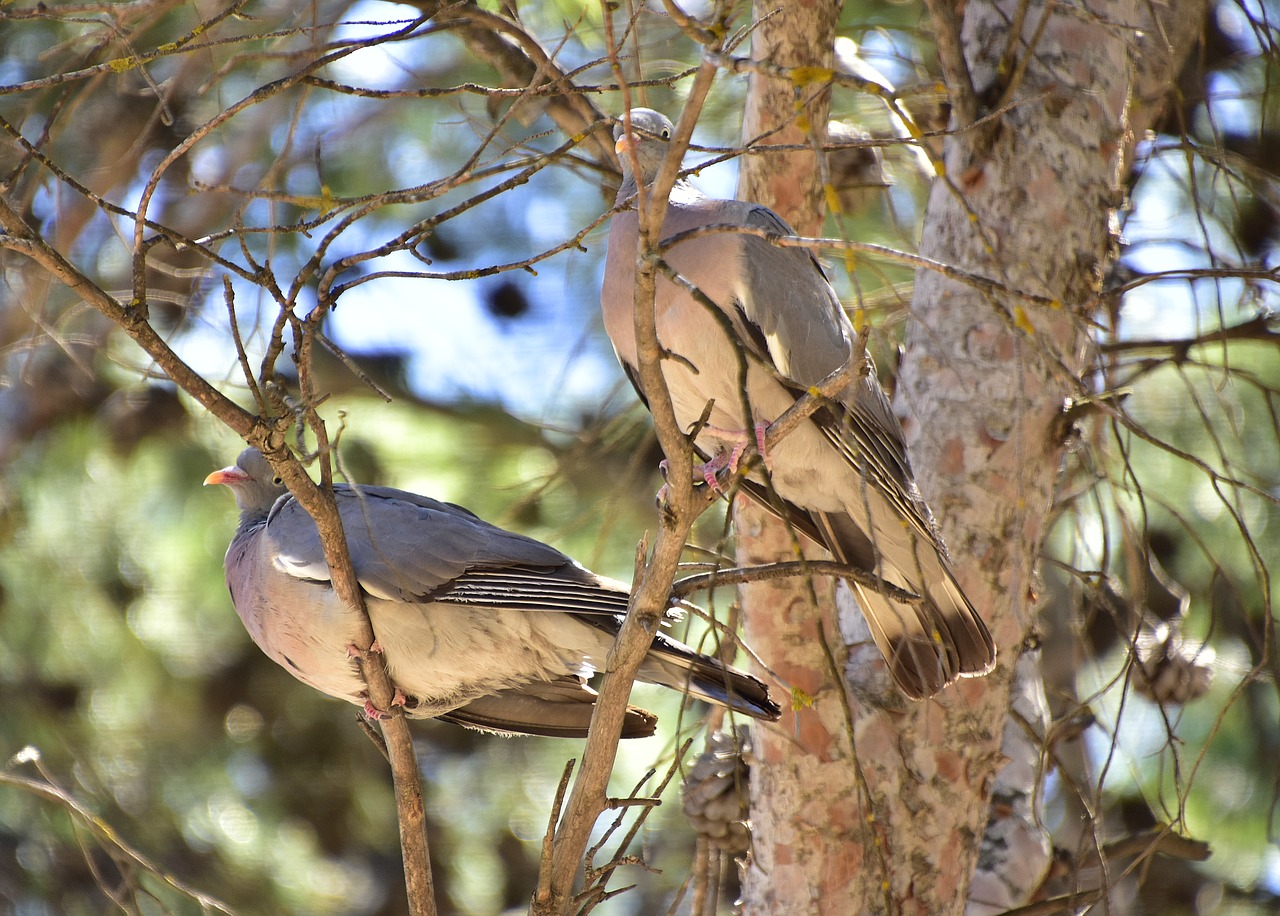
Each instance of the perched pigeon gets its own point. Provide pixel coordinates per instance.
(842, 477)
(479, 626)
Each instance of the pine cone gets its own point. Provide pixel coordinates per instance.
(714, 796)
(1169, 669)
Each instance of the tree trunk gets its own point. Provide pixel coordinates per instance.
(1028, 201)
(806, 814)
(891, 821)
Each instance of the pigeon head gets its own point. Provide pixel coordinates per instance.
(253, 482)
(650, 135)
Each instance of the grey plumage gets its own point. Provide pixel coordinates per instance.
(843, 477)
(478, 625)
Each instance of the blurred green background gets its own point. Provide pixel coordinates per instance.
(121, 659)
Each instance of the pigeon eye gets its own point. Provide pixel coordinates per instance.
(666, 134)
(277, 480)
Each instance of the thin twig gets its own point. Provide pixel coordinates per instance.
(557, 805)
(946, 33)
(977, 281)
(788, 570)
(107, 835)
(650, 594)
(1264, 328)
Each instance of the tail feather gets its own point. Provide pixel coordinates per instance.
(675, 665)
(919, 665)
(926, 645)
(555, 709)
(972, 639)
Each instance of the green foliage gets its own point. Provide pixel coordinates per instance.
(121, 658)
(146, 698)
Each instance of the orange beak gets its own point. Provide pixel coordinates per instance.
(226, 476)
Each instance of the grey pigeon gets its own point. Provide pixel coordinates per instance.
(479, 626)
(842, 478)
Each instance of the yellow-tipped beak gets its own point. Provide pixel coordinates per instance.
(226, 476)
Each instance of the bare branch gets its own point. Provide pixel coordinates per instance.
(651, 590)
(1262, 329)
(518, 56)
(977, 281)
(946, 23)
(268, 436)
(106, 836)
(21, 238)
(739, 574)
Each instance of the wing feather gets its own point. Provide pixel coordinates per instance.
(406, 547)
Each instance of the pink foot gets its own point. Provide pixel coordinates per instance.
(725, 461)
(762, 431)
(706, 471)
(374, 713)
(729, 460)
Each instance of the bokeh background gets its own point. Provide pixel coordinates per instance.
(123, 667)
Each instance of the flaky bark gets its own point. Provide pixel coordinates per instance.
(806, 814)
(892, 820)
(1029, 200)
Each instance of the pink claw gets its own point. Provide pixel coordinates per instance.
(762, 431)
(354, 651)
(729, 460)
(711, 470)
(373, 712)
(399, 699)
(721, 462)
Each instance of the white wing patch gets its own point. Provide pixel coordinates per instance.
(299, 568)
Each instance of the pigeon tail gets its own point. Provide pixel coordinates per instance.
(671, 664)
(930, 644)
(926, 645)
(556, 709)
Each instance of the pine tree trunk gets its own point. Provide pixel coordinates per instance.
(1029, 202)
(806, 813)
(891, 821)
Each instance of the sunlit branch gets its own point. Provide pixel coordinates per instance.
(740, 574)
(105, 836)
